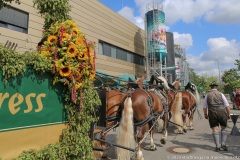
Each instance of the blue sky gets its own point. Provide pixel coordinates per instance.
(209, 30)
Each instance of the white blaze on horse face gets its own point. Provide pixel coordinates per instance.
(165, 83)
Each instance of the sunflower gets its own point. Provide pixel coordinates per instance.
(66, 37)
(52, 39)
(77, 76)
(73, 24)
(82, 56)
(65, 71)
(76, 31)
(92, 74)
(72, 50)
(70, 23)
(79, 41)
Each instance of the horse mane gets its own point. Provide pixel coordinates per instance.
(172, 87)
(165, 83)
(194, 91)
(152, 79)
(175, 83)
(132, 84)
(138, 83)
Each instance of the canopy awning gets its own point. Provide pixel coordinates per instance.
(126, 77)
(105, 79)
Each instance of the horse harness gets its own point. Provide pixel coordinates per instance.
(195, 105)
(152, 114)
(118, 116)
(173, 98)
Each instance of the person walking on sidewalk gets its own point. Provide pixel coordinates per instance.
(216, 109)
(232, 97)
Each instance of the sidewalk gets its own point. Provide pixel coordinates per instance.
(194, 145)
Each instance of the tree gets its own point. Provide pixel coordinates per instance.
(231, 78)
(4, 3)
(237, 63)
(53, 11)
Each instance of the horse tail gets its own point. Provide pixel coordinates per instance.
(197, 97)
(125, 136)
(176, 111)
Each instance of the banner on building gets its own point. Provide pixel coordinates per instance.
(30, 100)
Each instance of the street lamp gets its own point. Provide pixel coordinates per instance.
(218, 73)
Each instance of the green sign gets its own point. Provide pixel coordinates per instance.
(30, 100)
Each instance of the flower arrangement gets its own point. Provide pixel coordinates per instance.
(71, 55)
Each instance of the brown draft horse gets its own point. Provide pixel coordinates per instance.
(114, 99)
(190, 101)
(148, 107)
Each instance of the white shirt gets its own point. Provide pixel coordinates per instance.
(225, 102)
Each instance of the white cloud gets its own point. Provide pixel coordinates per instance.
(206, 68)
(224, 12)
(128, 13)
(220, 52)
(226, 51)
(217, 11)
(185, 40)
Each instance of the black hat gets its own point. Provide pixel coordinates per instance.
(213, 84)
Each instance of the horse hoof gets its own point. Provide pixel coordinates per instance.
(104, 155)
(191, 128)
(160, 131)
(185, 130)
(178, 131)
(153, 148)
(163, 141)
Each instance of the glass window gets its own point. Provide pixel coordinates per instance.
(121, 54)
(14, 19)
(136, 59)
(129, 57)
(113, 52)
(106, 49)
(100, 48)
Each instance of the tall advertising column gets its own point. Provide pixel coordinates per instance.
(156, 38)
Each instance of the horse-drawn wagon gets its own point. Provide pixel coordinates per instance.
(147, 104)
(151, 105)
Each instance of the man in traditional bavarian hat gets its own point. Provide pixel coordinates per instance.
(216, 109)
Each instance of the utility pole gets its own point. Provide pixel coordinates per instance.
(219, 74)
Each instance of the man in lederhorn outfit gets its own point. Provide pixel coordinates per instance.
(216, 109)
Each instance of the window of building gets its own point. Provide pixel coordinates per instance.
(113, 52)
(129, 57)
(119, 53)
(100, 48)
(14, 19)
(106, 49)
(136, 59)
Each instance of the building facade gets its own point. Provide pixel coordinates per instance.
(171, 57)
(180, 60)
(120, 45)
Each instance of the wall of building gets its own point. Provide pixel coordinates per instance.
(170, 56)
(181, 61)
(25, 42)
(97, 22)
